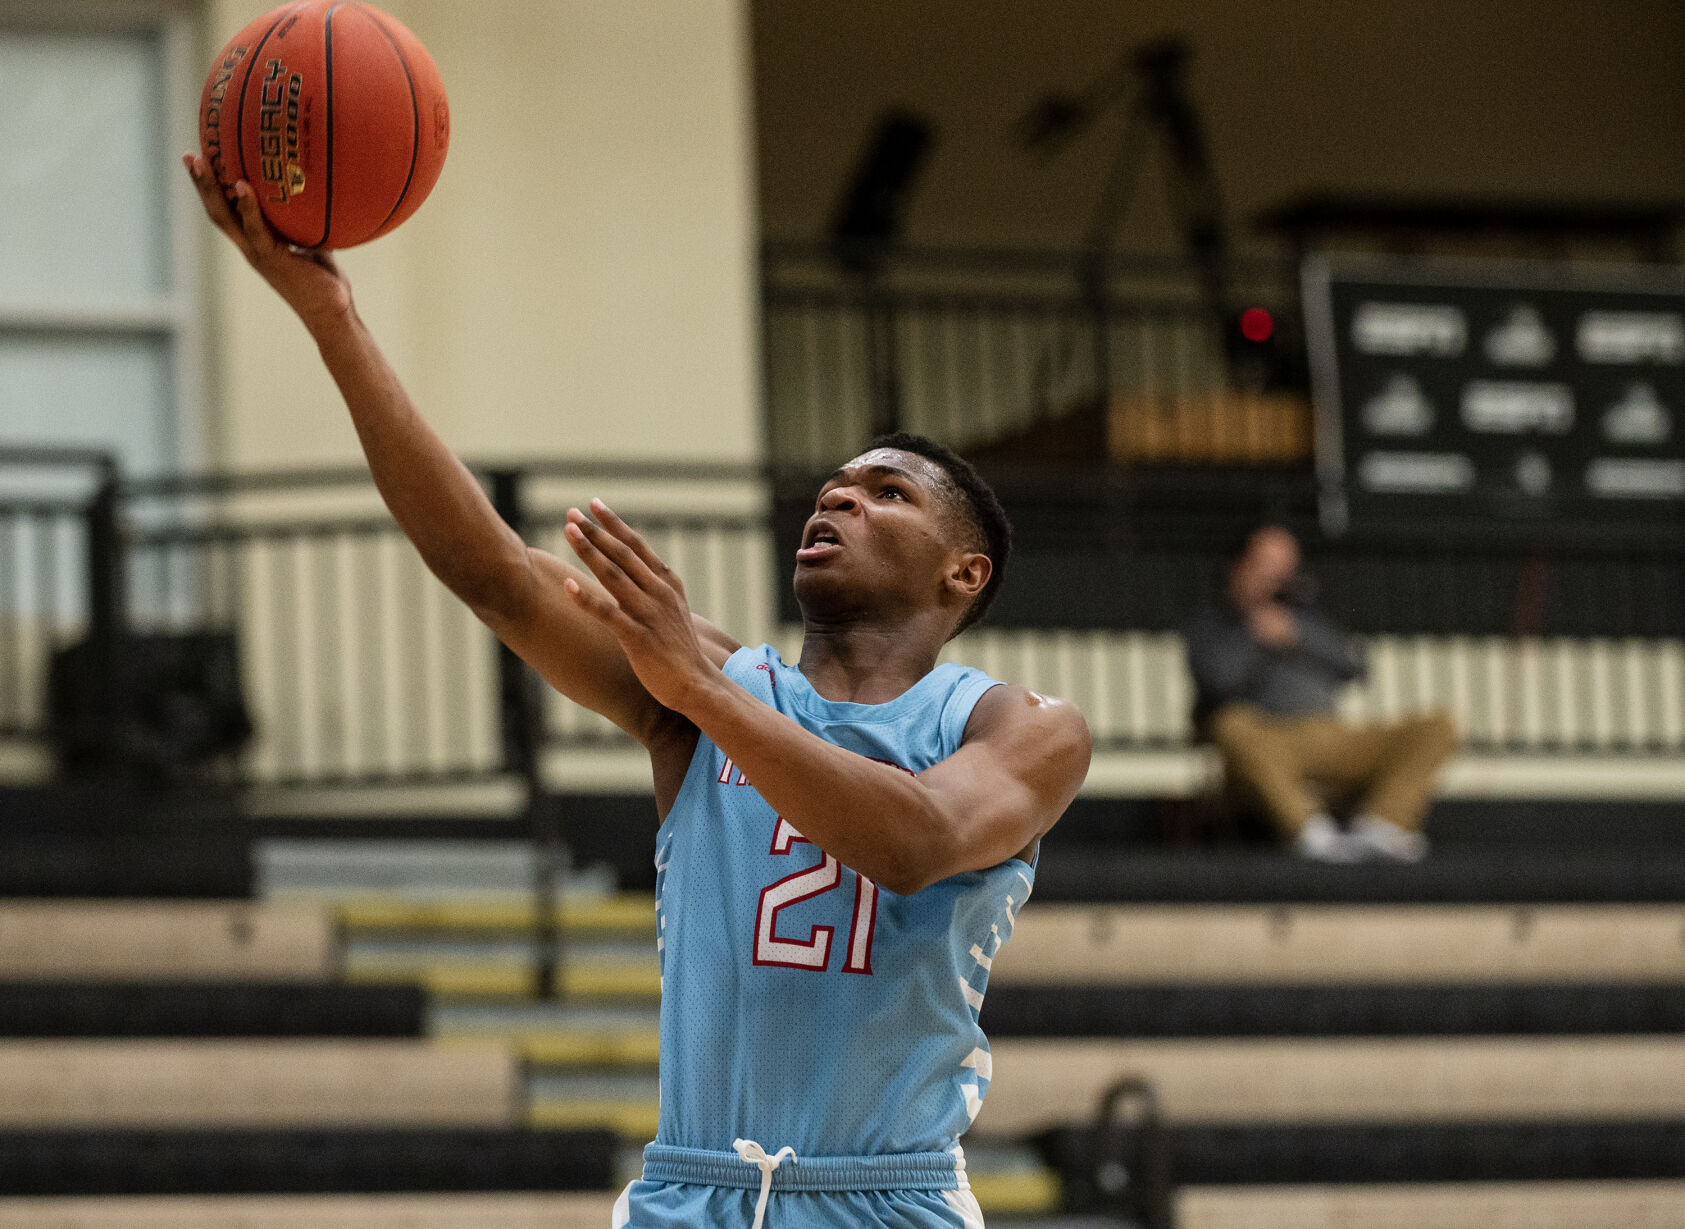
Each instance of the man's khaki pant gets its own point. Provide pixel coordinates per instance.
(1296, 767)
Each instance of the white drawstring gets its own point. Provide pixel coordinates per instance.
(753, 1154)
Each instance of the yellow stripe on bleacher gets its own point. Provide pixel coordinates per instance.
(1028, 1192)
(469, 981)
(635, 1120)
(627, 911)
(504, 981)
(641, 1047)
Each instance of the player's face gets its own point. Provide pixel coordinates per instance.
(882, 538)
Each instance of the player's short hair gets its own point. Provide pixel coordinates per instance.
(978, 506)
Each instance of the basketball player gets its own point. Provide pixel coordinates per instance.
(845, 842)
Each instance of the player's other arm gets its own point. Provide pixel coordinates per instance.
(441, 507)
(1023, 758)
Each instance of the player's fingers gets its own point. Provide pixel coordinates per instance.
(607, 570)
(615, 548)
(251, 220)
(212, 200)
(598, 605)
(610, 520)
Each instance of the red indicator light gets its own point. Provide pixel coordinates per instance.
(1256, 324)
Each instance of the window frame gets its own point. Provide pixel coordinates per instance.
(179, 317)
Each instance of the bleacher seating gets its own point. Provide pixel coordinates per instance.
(141, 867)
(209, 1009)
(434, 1211)
(1453, 1205)
(1292, 941)
(113, 840)
(1495, 1037)
(178, 941)
(303, 1160)
(1343, 1079)
(252, 1083)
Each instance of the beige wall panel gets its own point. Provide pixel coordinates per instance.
(1463, 1205)
(96, 940)
(434, 1211)
(1039, 1083)
(1114, 944)
(256, 1083)
(580, 281)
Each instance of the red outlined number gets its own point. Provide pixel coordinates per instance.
(814, 952)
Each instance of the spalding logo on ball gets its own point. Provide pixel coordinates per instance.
(334, 113)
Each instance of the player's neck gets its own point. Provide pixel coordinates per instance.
(864, 663)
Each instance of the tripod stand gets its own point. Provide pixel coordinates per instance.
(1152, 78)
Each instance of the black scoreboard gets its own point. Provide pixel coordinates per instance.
(1524, 392)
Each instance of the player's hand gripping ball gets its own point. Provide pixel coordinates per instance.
(334, 113)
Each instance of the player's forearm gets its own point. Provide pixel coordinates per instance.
(435, 499)
(874, 818)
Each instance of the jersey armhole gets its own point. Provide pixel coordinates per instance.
(698, 775)
(956, 713)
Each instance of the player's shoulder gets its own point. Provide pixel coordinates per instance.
(1013, 711)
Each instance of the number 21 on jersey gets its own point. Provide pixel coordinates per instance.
(813, 952)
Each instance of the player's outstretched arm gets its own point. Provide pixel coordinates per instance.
(1022, 760)
(437, 502)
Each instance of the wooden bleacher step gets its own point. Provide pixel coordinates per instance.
(1035, 1082)
(1351, 1154)
(1461, 1205)
(165, 940)
(1069, 944)
(292, 1082)
(430, 1211)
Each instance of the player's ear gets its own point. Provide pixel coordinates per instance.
(969, 574)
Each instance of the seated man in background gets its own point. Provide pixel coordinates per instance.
(1267, 667)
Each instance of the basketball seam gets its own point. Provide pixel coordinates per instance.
(415, 110)
(240, 110)
(327, 72)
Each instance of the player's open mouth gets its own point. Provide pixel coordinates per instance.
(820, 541)
(822, 547)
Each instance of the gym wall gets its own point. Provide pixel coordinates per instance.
(580, 281)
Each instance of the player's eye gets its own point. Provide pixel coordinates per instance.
(895, 492)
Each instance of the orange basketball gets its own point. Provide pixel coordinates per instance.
(334, 113)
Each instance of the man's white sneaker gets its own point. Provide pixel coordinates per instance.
(1381, 839)
(1321, 840)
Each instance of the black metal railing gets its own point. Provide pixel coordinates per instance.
(61, 577)
(357, 668)
(978, 346)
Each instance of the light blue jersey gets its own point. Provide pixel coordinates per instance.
(803, 1006)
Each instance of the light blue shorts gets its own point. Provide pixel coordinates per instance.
(686, 1189)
